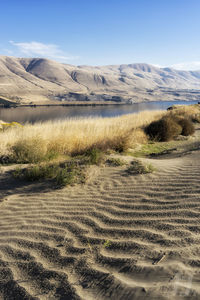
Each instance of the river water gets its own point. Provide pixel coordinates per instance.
(44, 113)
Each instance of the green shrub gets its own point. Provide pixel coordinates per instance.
(37, 172)
(94, 156)
(62, 174)
(164, 129)
(66, 176)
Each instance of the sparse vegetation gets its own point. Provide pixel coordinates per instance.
(137, 167)
(116, 162)
(107, 244)
(61, 174)
(94, 156)
(153, 148)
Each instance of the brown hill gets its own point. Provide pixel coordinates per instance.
(39, 80)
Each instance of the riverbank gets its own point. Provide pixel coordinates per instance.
(14, 105)
(77, 103)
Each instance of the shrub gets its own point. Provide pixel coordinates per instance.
(164, 129)
(115, 162)
(37, 172)
(138, 168)
(196, 118)
(66, 176)
(28, 151)
(62, 174)
(187, 126)
(95, 156)
(31, 151)
(122, 142)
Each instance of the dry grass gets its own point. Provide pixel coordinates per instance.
(190, 111)
(41, 141)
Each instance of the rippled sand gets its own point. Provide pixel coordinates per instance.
(117, 237)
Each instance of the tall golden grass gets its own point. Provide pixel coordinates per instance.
(75, 136)
(191, 111)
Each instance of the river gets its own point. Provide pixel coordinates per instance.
(44, 113)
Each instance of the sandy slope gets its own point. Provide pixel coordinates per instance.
(117, 237)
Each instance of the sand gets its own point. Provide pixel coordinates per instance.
(118, 236)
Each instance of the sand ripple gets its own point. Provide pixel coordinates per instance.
(117, 237)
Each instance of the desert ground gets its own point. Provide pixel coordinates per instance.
(119, 236)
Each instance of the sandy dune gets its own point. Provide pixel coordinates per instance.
(117, 237)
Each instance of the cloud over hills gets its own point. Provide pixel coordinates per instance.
(190, 66)
(36, 49)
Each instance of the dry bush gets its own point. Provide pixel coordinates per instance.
(196, 118)
(177, 121)
(164, 129)
(186, 125)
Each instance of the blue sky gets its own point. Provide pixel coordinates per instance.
(102, 32)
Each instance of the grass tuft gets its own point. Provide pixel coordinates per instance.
(95, 156)
(138, 168)
(116, 162)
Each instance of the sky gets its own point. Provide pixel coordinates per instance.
(164, 33)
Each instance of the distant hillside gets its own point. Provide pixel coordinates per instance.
(38, 80)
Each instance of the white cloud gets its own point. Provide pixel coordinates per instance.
(36, 49)
(190, 66)
(158, 66)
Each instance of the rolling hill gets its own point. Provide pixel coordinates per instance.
(38, 80)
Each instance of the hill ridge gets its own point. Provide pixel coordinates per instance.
(41, 80)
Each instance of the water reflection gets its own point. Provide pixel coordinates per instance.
(36, 114)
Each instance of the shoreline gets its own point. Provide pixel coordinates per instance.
(7, 106)
(64, 104)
